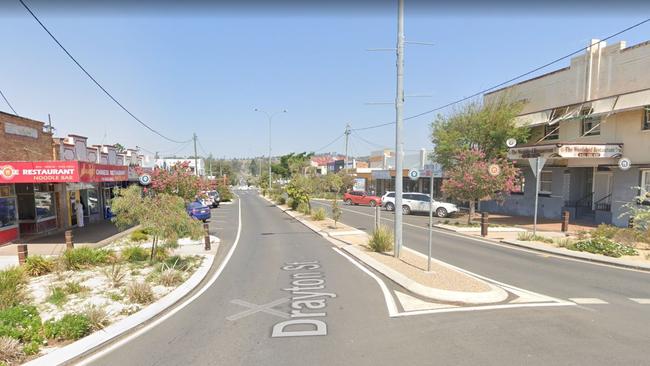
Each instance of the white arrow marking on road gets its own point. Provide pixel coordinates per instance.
(588, 301)
(641, 301)
(253, 308)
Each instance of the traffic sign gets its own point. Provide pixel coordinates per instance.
(145, 179)
(624, 163)
(494, 170)
(511, 142)
(414, 174)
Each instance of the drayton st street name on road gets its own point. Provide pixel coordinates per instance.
(305, 298)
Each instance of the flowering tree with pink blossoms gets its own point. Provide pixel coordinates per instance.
(469, 179)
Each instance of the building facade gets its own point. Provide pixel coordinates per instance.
(584, 119)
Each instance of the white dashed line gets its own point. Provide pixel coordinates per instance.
(641, 301)
(587, 301)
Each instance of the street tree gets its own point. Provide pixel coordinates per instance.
(179, 180)
(469, 179)
(477, 126)
(254, 168)
(162, 215)
(336, 211)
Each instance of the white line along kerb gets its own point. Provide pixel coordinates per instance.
(153, 324)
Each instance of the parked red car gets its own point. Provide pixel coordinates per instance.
(361, 198)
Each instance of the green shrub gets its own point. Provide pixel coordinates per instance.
(115, 274)
(318, 214)
(134, 253)
(170, 277)
(115, 296)
(162, 253)
(282, 200)
(604, 231)
(304, 208)
(138, 236)
(336, 211)
(564, 242)
(602, 245)
(12, 287)
(527, 236)
(36, 265)
(225, 194)
(57, 296)
(381, 240)
(71, 326)
(139, 293)
(74, 287)
(21, 322)
(78, 258)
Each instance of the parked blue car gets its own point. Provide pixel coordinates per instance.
(198, 211)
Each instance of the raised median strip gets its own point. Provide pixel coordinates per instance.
(477, 229)
(95, 340)
(444, 283)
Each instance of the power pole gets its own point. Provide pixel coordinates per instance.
(347, 136)
(399, 148)
(196, 160)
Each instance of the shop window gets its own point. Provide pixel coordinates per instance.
(35, 201)
(93, 201)
(645, 187)
(646, 118)
(7, 206)
(520, 184)
(546, 182)
(590, 125)
(552, 132)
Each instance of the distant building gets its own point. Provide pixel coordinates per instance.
(167, 163)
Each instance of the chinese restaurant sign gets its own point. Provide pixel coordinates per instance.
(60, 172)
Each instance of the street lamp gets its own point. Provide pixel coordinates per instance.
(270, 117)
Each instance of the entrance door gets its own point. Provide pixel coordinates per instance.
(72, 216)
(602, 187)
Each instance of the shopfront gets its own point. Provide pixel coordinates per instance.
(39, 197)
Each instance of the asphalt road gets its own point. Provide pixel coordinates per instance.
(215, 329)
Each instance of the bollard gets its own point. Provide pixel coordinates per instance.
(22, 253)
(484, 224)
(630, 222)
(69, 242)
(206, 237)
(565, 221)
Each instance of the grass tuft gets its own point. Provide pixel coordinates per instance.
(381, 240)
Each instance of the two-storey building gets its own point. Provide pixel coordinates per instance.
(584, 119)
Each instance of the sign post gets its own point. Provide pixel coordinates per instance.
(536, 165)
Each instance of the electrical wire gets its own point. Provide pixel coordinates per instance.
(95, 81)
(331, 143)
(366, 141)
(7, 101)
(511, 79)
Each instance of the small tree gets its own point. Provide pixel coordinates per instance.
(300, 189)
(639, 210)
(336, 211)
(470, 181)
(163, 215)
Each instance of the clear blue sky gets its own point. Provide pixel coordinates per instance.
(205, 72)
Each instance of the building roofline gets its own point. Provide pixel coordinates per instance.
(528, 80)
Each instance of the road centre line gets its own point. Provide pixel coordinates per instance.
(173, 311)
(479, 240)
(640, 301)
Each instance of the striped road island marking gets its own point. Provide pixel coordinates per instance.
(641, 301)
(587, 301)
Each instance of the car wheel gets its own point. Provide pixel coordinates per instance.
(406, 210)
(204, 220)
(348, 202)
(441, 212)
(373, 203)
(390, 207)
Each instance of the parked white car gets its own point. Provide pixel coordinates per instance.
(418, 202)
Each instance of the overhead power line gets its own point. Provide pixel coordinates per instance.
(96, 82)
(511, 79)
(331, 143)
(370, 143)
(7, 101)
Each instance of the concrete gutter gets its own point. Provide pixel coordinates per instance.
(494, 295)
(597, 258)
(95, 340)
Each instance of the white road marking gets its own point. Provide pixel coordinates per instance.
(156, 322)
(641, 301)
(588, 301)
(410, 303)
(253, 309)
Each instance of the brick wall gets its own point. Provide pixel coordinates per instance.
(23, 139)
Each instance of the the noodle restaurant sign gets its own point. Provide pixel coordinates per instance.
(59, 172)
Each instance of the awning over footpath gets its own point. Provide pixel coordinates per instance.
(567, 151)
(594, 108)
(60, 172)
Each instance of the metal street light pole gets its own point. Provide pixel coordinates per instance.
(399, 105)
(270, 117)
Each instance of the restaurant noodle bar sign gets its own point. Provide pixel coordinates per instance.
(60, 172)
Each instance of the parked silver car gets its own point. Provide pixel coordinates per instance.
(418, 202)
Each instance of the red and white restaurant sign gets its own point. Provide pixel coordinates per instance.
(60, 172)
